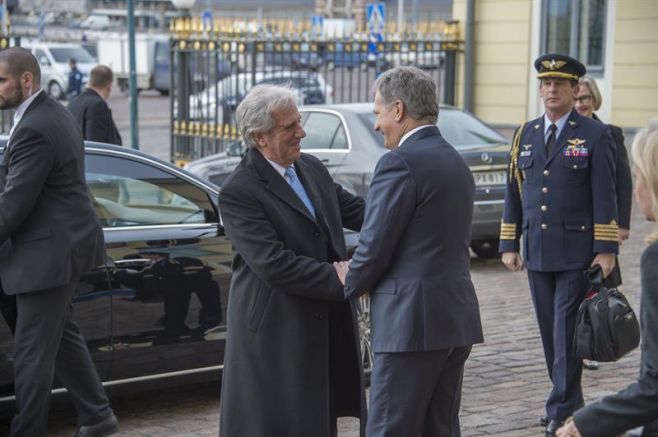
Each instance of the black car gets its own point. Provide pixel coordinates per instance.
(157, 309)
(343, 138)
(158, 306)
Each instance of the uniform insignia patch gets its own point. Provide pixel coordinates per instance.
(526, 153)
(572, 123)
(575, 151)
(537, 126)
(527, 146)
(576, 141)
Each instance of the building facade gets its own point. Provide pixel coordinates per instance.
(616, 39)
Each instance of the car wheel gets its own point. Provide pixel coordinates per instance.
(55, 91)
(365, 341)
(486, 248)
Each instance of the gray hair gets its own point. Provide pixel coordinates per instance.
(413, 87)
(254, 114)
(597, 99)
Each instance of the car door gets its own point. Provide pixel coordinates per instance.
(326, 137)
(91, 311)
(171, 265)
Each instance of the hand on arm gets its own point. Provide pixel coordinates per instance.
(342, 267)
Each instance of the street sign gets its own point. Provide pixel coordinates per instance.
(376, 17)
(317, 25)
(206, 18)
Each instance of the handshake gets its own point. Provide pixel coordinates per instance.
(342, 267)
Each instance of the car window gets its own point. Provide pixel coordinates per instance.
(459, 128)
(323, 131)
(41, 56)
(130, 193)
(63, 54)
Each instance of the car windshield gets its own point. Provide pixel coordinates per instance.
(63, 54)
(459, 128)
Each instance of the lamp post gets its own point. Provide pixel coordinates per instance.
(132, 77)
(181, 65)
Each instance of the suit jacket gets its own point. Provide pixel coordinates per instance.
(638, 403)
(286, 303)
(94, 117)
(413, 254)
(564, 204)
(49, 232)
(624, 180)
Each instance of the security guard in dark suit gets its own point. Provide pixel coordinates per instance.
(561, 197)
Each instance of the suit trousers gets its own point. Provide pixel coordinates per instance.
(416, 393)
(557, 296)
(47, 344)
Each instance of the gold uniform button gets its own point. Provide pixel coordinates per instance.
(544, 190)
(582, 228)
(544, 226)
(575, 167)
(546, 173)
(544, 208)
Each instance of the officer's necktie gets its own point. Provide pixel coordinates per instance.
(550, 142)
(297, 186)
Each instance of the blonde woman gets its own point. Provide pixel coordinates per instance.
(637, 404)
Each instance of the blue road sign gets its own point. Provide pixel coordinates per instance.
(376, 17)
(206, 18)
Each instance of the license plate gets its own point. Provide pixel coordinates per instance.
(489, 178)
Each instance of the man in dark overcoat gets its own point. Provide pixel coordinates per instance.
(561, 197)
(292, 361)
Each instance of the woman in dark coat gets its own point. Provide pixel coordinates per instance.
(637, 404)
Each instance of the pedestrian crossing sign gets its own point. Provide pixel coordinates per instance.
(376, 17)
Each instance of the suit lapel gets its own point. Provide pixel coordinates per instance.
(275, 183)
(305, 174)
(37, 100)
(537, 139)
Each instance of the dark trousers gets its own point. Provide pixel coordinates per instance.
(48, 344)
(556, 296)
(416, 393)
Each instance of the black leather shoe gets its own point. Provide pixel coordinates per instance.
(105, 427)
(543, 421)
(552, 426)
(590, 364)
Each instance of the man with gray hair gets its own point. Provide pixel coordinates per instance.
(292, 361)
(413, 260)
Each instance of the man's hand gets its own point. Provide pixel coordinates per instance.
(342, 267)
(568, 430)
(513, 261)
(606, 261)
(624, 234)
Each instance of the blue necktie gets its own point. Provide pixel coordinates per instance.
(297, 186)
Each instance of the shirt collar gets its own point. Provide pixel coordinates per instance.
(23, 107)
(277, 167)
(411, 132)
(560, 124)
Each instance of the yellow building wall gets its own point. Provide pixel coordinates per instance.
(635, 63)
(502, 59)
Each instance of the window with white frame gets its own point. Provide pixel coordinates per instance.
(575, 28)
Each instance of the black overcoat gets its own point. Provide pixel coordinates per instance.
(292, 339)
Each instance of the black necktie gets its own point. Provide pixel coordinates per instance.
(550, 142)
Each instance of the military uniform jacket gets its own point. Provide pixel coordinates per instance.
(564, 203)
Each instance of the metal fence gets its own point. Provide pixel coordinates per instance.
(212, 72)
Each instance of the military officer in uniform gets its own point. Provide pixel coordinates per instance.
(561, 197)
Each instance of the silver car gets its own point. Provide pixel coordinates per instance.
(343, 138)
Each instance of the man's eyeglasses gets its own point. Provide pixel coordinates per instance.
(587, 98)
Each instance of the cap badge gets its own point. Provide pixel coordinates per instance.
(553, 64)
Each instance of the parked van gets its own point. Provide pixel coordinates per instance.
(54, 58)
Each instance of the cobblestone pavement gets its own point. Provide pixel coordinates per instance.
(505, 378)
